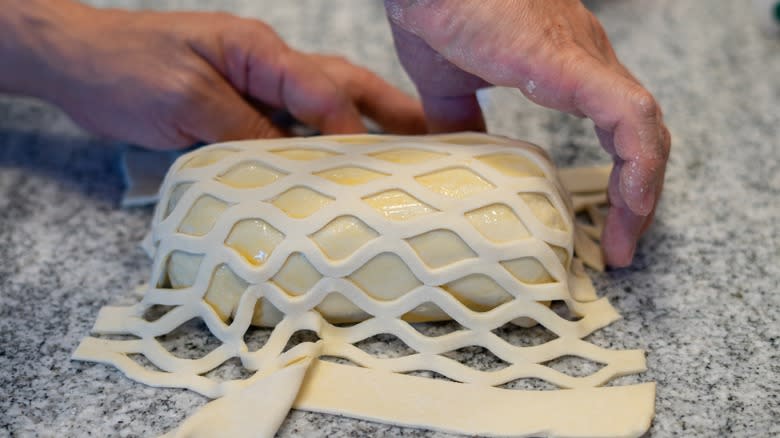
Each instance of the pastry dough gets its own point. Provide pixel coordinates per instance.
(382, 231)
(453, 178)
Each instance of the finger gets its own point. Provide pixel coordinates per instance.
(449, 114)
(623, 228)
(621, 231)
(448, 93)
(649, 219)
(622, 107)
(392, 109)
(312, 97)
(214, 111)
(224, 118)
(260, 65)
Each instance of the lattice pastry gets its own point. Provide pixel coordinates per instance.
(356, 236)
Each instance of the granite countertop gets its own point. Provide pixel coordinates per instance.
(703, 297)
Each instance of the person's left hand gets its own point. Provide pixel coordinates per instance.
(171, 79)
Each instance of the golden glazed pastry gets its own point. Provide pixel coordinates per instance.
(416, 192)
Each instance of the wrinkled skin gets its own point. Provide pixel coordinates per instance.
(168, 80)
(558, 55)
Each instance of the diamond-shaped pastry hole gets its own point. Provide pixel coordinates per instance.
(398, 205)
(178, 191)
(407, 155)
(440, 247)
(224, 292)
(526, 321)
(304, 154)
(529, 384)
(385, 346)
(299, 337)
(430, 375)
(427, 311)
(249, 174)
(478, 358)
(254, 239)
(203, 158)
(350, 175)
(574, 366)
(266, 314)
(300, 202)
(478, 292)
(191, 340)
(592, 216)
(202, 216)
(512, 164)
(255, 337)
(297, 276)
(339, 360)
(525, 337)
(564, 311)
(437, 328)
(144, 362)
(182, 268)
(498, 223)
(231, 369)
(342, 236)
(456, 183)
(528, 270)
(156, 312)
(385, 277)
(544, 210)
(338, 309)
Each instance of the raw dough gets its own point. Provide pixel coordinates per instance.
(306, 234)
(386, 276)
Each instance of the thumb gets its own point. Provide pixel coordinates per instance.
(448, 94)
(219, 113)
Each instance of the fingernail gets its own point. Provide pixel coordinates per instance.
(620, 237)
(638, 190)
(646, 200)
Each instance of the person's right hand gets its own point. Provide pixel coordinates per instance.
(168, 80)
(558, 55)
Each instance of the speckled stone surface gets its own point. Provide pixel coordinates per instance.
(703, 297)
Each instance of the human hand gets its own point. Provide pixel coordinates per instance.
(558, 55)
(168, 80)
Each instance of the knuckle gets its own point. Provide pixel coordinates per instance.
(643, 103)
(186, 92)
